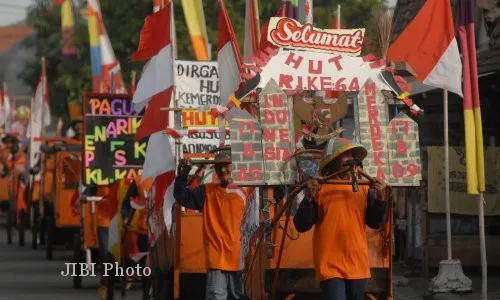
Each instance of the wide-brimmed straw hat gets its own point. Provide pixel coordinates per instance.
(224, 156)
(337, 146)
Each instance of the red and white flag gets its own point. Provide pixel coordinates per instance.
(161, 206)
(41, 109)
(159, 167)
(154, 45)
(156, 82)
(229, 57)
(429, 46)
(252, 27)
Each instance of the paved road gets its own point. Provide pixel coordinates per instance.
(26, 275)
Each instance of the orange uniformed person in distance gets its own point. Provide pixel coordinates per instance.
(223, 206)
(339, 216)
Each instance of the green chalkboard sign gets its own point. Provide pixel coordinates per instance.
(110, 152)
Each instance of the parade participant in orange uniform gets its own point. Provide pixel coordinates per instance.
(223, 206)
(340, 247)
(77, 127)
(14, 166)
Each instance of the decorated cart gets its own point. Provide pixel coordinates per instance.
(297, 93)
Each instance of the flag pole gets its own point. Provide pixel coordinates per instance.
(338, 16)
(446, 175)
(450, 277)
(42, 133)
(482, 243)
(340, 122)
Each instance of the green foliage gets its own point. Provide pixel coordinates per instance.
(123, 20)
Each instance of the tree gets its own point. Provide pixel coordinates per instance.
(123, 21)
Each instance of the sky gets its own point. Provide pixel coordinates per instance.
(13, 11)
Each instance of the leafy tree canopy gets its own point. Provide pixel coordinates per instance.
(123, 20)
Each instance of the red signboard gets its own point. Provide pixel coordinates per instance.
(289, 33)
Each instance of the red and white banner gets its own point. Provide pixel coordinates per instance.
(301, 70)
(289, 33)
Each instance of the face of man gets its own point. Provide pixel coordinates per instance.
(224, 174)
(341, 160)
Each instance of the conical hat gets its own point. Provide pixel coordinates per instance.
(336, 147)
(224, 156)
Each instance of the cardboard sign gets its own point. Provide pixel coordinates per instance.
(372, 116)
(195, 118)
(301, 70)
(246, 152)
(393, 147)
(276, 117)
(461, 202)
(404, 152)
(110, 124)
(289, 33)
(196, 83)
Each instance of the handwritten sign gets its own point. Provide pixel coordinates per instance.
(110, 150)
(289, 33)
(393, 146)
(372, 116)
(196, 83)
(194, 118)
(246, 151)
(278, 137)
(301, 70)
(404, 152)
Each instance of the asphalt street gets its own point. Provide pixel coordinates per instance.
(25, 274)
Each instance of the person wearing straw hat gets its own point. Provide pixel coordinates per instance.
(340, 247)
(223, 206)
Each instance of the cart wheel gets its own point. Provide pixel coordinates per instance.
(50, 239)
(77, 258)
(34, 227)
(22, 227)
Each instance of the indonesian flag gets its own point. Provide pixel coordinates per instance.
(157, 5)
(252, 27)
(474, 151)
(156, 82)
(264, 43)
(40, 115)
(429, 46)
(160, 167)
(229, 57)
